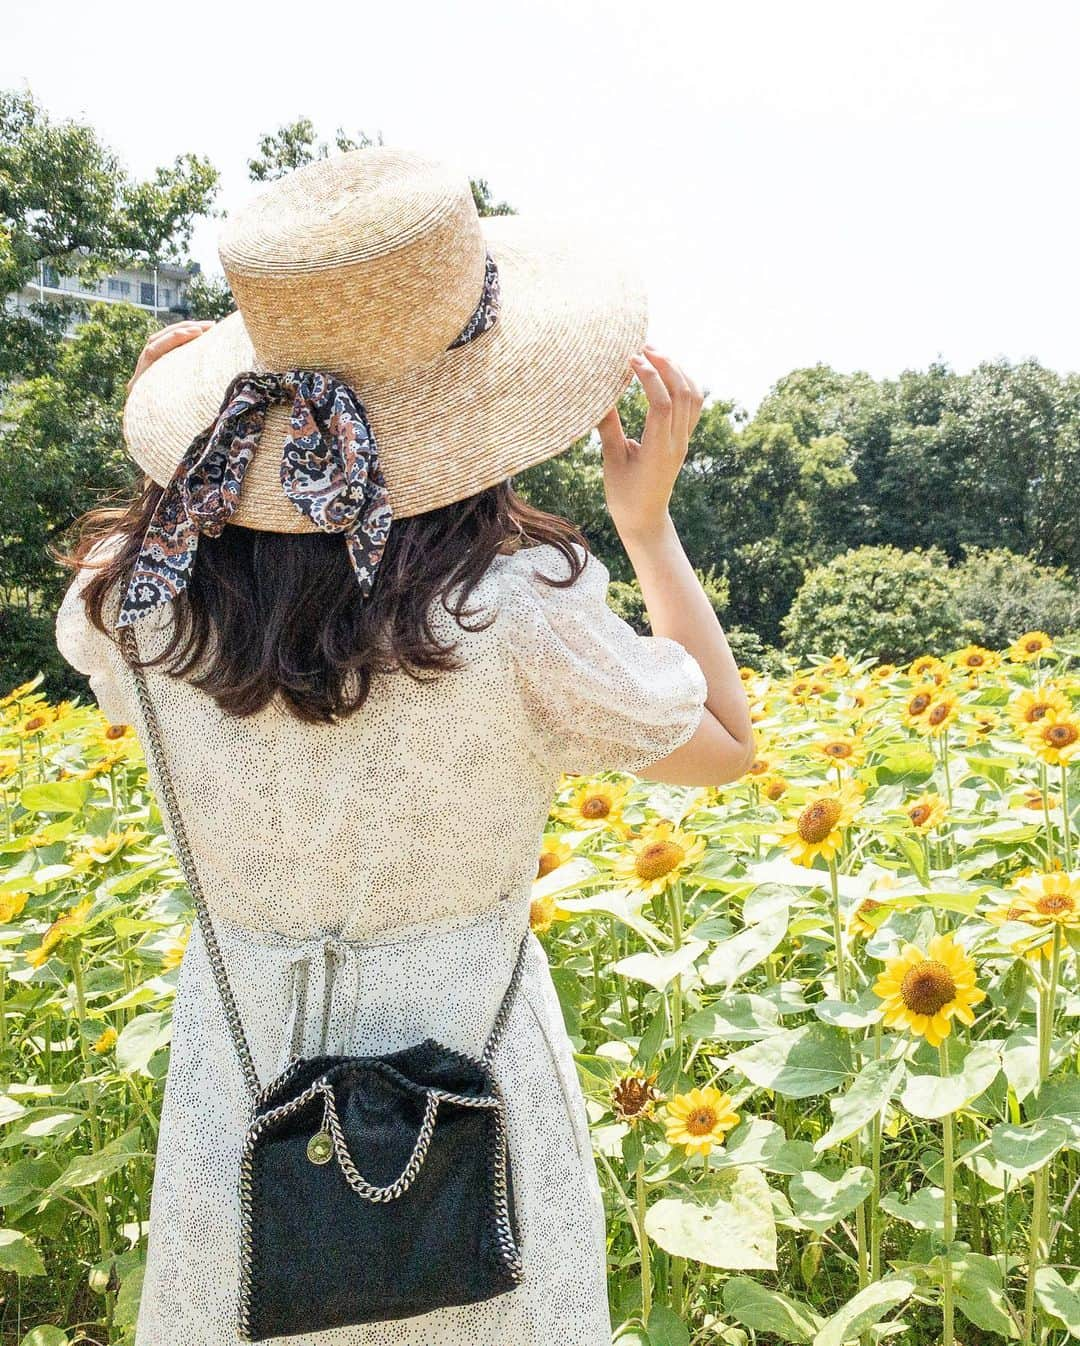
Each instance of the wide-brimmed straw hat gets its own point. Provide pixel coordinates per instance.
(372, 265)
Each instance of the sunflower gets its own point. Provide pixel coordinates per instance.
(658, 857)
(1030, 706)
(1048, 899)
(939, 715)
(843, 750)
(772, 787)
(1004, 909)
(39, 719)
(700, 1119)
(174, 952)
(805, 689)
(12, 904)
(23, 689)
(543, 912)
(69, 923)
(818, 827)
(858, 922)
(1031, 645)
(91, 850)
(926, 812)
(918, 702)
(594, 804)
(106, 1040)
(633, 1097)
(924, 992)
(976, 659)
(928, 668)
(1055, 738)
(553, 853)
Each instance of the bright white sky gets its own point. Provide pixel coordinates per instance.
(874, 185)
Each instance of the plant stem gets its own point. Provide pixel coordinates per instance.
(1066, 824)
(643, 1245)
(838, 938)
(947, 1337)
(675, 904)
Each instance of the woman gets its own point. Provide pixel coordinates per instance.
(364, 771)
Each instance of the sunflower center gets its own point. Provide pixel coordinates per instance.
(595, 806)
(1033, 646)
(1036, 712)
(657, 859)
(927, 987)
(918, 704)
(548, 861)
(818, 819)
(116, 731)
(1060, 735)
(1053, 904)
(838, 750)
(758, 767)
(701, 1122)
(919, 814)
(938, 713)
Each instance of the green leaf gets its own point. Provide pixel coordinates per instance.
(653, 1036)
(45, 1335)
(667, 1328)
(85, 1169)
(925, 1210)
(740, 954)
(1025, 1148)
(979, 1292)
(764, 1145)
(1059, 1300)
(868, 1307)
(933, 1096)
(59, 796)
(140, 1038)
(1020, 1062)
(870, 1091)
(727, 1222)
(764, 1310)
(736, 1018)
(660, 969)
(798, 1062)
(819, 1202)
(18, 1254)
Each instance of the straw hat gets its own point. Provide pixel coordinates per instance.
(368, 265)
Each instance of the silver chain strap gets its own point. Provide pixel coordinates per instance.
(129, 648)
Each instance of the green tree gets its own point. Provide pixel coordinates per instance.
(66, 200)
(878, 601)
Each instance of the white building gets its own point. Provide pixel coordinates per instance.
(161, 290)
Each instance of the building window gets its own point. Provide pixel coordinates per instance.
(51, 276)
(119, 286)
(166, 297)
(146, 293)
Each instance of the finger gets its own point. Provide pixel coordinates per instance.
(612, 437)
(657, 432)
(697, 402)
(679, 390)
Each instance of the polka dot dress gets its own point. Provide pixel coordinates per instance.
(369, 883)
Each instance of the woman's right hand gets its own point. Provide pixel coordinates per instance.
(639, 477)
(175, 334)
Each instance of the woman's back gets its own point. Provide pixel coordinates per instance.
(429, 801)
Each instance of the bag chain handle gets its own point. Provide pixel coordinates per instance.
(130, 649)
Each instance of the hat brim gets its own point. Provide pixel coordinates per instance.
(556, 360)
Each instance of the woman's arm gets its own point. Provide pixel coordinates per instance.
(638, 480)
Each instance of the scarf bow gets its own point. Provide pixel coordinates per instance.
(329, 470)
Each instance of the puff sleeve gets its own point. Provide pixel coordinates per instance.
(85, 648)
(596, 695)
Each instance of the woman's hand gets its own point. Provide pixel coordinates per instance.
(639, 477)
(175, 334)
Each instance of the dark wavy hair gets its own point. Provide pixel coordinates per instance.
(287, 609)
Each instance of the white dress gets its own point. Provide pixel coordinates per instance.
(370, 881)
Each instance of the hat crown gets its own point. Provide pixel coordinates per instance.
(370, 261)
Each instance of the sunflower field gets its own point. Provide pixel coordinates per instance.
(826, 1016)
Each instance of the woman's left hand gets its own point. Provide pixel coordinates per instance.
(164, 340)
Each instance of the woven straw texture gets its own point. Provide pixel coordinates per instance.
(368, 265)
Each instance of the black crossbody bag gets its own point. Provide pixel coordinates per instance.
(429, 1223)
